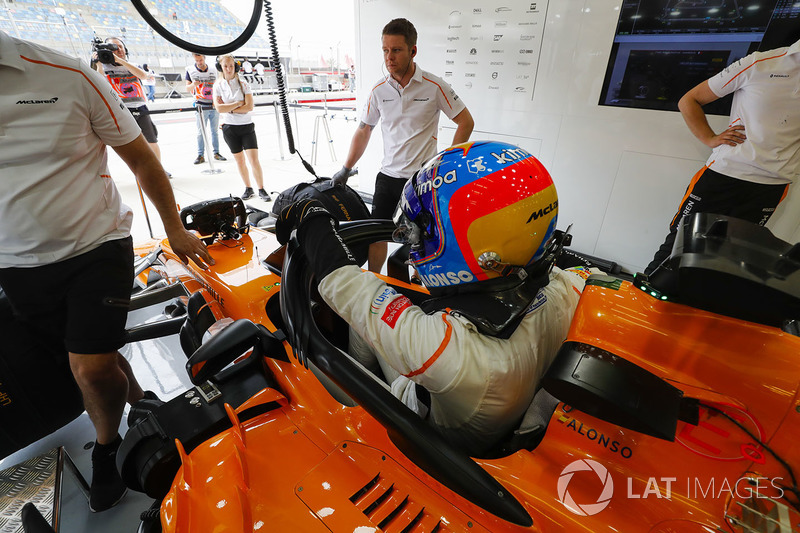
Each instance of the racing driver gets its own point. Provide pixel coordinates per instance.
(480, 218)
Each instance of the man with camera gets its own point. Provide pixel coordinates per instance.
(126, 79)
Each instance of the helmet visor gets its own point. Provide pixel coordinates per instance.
(406, 216)
(406, 232)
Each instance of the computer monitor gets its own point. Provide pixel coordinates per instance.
(664, 48)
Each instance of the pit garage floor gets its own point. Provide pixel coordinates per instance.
(159, 364)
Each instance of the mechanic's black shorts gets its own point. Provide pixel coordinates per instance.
(387, 193)
(80, 303)
(240, 137)
(142, 116)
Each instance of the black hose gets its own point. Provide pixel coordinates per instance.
(276, 63)
(237, 43)
(233, 46)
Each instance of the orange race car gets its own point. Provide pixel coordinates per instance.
(673, 405)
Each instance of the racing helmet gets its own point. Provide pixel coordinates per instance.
(477, 212)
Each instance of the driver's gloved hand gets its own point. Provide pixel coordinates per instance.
(293, 215)
(340, 178)
(317, 235)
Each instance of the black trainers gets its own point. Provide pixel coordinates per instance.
(248, 193)
(264, 195)
(200, 159)
(219, 157)
(107, 487)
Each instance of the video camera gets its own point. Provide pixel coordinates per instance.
(104, 51)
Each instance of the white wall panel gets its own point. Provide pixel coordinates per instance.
(533, 146)
(618, 171)
(644, 197)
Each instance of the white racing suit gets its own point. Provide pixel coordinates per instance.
(480, 386)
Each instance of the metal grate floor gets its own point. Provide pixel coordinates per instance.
(34, 481)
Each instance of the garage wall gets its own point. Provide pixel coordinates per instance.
(531, 74)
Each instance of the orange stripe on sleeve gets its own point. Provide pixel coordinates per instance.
(369, 101)
(754, 62)
(84, 77)
(432, 359)
(689, 191)
(440, 90)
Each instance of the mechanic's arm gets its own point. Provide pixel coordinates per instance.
(358, 144)
(357, 147)
(691, 108)
(465, 124)
(144, 164)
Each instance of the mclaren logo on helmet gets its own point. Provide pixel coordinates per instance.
(543, 211)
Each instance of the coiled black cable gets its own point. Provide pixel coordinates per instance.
(237, 43)
(276, 63)
(233, 46)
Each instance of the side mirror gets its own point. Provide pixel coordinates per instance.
(613, 389)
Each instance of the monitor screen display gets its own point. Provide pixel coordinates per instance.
(663, 48)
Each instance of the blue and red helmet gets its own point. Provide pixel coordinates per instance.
(475, 212)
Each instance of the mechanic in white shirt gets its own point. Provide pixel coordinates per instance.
(757, 157)
(247, 67)
(66, 257)
(233, 100)
(499, 310)
(407, 102)
(259, 70)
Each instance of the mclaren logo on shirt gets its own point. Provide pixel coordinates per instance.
(52, 100)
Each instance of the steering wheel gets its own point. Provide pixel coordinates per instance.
(418, 440)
